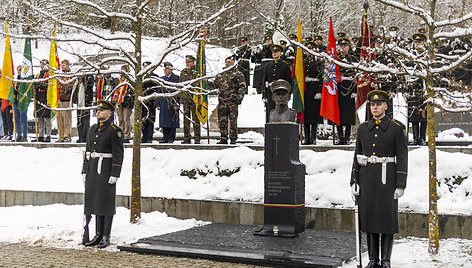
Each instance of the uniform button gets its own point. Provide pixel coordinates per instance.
(375, 135)
(373, 145)
(373, 153)
(377, 127)
(94, 142)
(97, 136)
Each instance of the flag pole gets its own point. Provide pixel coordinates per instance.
(14, 123)
(35, 115)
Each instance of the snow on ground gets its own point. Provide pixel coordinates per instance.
(413, 252)
(61, 226)
(236, 174)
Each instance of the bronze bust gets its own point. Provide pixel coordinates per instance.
(281, 94)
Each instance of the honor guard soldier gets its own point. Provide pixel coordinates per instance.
(416, 99)
(243, 55)
(231, 87)
(288, 53)
(186, 98)
(101, 169)
(378, 178)
(314, 83)
(274, 70)
(261, 58)
(347, 93)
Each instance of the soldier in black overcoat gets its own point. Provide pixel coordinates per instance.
(314, 84)
(274, 70)
(261, 57)
(101, 170)
(378, 177)
(347, 93)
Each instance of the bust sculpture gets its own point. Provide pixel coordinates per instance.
(281, 94)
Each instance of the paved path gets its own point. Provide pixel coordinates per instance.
(23, 255)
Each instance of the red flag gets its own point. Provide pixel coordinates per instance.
(329, 99)
(366, 80)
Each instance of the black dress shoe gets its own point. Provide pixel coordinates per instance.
(186, 142)
(306, 142)
(163, 142)
(222, 142)
(233, 141)
(105, 242)
(48, 139)
(95, 241)
(197, 142)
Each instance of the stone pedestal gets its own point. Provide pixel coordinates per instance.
(284, 182)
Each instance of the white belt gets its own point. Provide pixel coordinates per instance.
(100, 157)
(363, 160)
(311, 79)
(347, 78)
(267, 59)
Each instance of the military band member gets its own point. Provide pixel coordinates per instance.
(231, 87)
(288, 54)
(314, 83)
(274, 70)
(261, 58)
(347, 93)
(101, 170)
(319, 46)
(417, 115)
(378, 178)
(186, 98)
(243, 55)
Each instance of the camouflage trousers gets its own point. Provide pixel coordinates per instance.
(191, 113)
(228, 113)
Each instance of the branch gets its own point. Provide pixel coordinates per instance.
(104, 12)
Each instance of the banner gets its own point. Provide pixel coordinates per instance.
(201, 100)
(53, 67)
(25, 92)
(7, 69)
(298, 74)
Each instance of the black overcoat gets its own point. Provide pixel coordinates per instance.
(347, 86)
(99, 194)
(378, 210)
(313, 71)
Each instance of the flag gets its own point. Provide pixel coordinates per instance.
(53, 66)
(329, 99)
(7, 71)
(298, 74)
(120, 93)
(25, 92)
(366, 80)
(201, 101)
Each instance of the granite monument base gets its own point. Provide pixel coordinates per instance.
(236, 243)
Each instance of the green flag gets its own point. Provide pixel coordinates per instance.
(201, 101)
(25, 93)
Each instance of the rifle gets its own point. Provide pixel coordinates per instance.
(358, 235)
(85, 237)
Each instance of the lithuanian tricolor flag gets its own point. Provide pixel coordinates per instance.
(298, 74)
(7, 69)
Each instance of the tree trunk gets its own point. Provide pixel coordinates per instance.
(135, 205)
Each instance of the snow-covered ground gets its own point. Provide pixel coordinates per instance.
(60, 226)
(162, 175)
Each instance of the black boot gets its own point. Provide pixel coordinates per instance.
(340, 135)
(422, 134)
(347, 135)
(98, 231)
(373, 250)
(48, 139)
(386, 249)
(306, 130)
(222, 141)
(314, 130)
(416, 133)
(105, 241)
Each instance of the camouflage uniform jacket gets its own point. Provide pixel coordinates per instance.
(231, 85)
(185, 75)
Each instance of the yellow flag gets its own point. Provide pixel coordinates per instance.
(7, 69)
(54, 65)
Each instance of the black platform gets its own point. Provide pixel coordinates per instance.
(236, 243)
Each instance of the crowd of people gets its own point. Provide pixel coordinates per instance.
(271, 62)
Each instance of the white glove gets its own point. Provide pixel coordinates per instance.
(353, 95)
(318, 96)
(112, 180)
(398, 193)
(83, 178)
(354, 191)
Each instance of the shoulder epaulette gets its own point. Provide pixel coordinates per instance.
(113, 125)
(396, 122)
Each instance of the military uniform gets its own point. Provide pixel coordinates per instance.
(261, 58)
(103, 159)
(190, 112)
(314, 85)
(347, 91)
(243, 55)
(274, 70)
(380, 169)
(43, 114)
(231, 85)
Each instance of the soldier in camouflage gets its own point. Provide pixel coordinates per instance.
(231, 85)
(186, 98)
